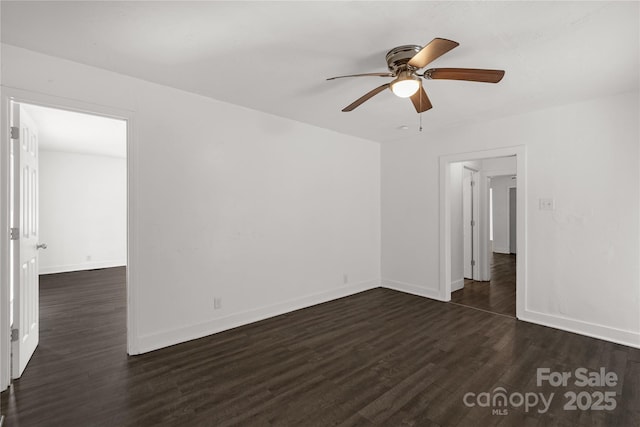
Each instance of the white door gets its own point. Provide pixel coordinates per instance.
(467, 222)
(25, 329)
(512, 220)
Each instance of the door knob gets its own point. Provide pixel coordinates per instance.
(41, 246)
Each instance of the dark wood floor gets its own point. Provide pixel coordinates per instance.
(378, 358)
(496, 296)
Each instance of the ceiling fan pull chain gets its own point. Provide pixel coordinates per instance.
(420, 102)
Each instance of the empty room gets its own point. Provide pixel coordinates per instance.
(320, 213)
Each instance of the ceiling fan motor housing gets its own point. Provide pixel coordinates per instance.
(398, 57)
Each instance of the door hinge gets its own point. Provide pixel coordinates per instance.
(473, 223)
(473, 183)
(14, 233)
(14, 335)
(473, 263)
(15, 132)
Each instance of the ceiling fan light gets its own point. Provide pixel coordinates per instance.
(405, 86)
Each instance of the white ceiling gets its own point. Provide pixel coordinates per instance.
(275, 56)
(61, 130)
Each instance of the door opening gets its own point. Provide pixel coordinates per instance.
(68, 188)
(496, 292)
(490, 271)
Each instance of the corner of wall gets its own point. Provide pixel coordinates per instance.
(412, 289)
(456, 285)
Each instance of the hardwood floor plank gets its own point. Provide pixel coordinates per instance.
(378, 358)
(497, 295)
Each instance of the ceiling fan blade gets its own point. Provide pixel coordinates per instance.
(363, 75)
(421, 100)
(436, 48)
(365, 97)
(468, 74)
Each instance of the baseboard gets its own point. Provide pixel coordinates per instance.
(167, 338)
(606, 333)
(457, 285)
(412, 289)
(163, 339)
(506, 251)
(83, 266)
(619, 336)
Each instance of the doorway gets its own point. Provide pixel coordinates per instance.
(69, 207)
(492, 162)
(496, 293)
(66, 165)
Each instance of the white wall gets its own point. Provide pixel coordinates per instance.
(83, 211)
(500, 186)
(266, 213)
(499, 166)
(582, 269)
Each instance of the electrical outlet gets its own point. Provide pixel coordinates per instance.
(88, 257)
(345, 278)
(546, 204)
(217, 303)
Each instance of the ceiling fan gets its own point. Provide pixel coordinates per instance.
(405, 61)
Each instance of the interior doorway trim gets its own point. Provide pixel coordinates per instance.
(8, 95)
(445, 218)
